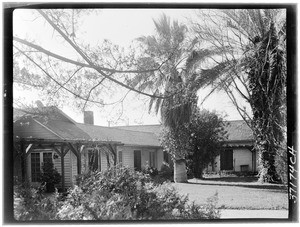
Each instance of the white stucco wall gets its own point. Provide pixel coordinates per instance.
(241, 156)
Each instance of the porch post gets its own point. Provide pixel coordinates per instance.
(23, 161)
(78, 161)
(62, 162)
(62, 167)
(116, 154)
(78, 156)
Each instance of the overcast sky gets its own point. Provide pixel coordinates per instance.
(120, 26)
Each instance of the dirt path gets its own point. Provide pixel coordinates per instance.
(257, 214)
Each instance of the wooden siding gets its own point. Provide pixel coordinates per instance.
(128, 156)
(74, 168)
(160, 158)
(67, 167)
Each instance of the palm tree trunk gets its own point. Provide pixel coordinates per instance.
(180, 174)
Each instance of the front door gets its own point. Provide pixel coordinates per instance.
(227, 159)
(137, 160)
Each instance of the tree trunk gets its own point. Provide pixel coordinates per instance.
(267, 155)
(180, 174)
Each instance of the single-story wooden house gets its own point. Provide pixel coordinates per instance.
(74, 148)
(238, 154)
(47, 133)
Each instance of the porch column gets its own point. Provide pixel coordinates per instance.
(63, 167)
(78, 156)
(62, 154)
(23, 161)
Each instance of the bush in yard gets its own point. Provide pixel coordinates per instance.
(166, 172)
(121, 193)
(207, 138)
(50, 176)
(31, 204)
(152, 171)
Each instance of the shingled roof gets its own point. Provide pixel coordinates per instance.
(142, 128)
(138, 135)
(237, 130)
(128, 137)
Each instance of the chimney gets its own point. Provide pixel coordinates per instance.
(88, 117)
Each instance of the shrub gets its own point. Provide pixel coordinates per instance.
(166, 173)
(31, 204)
(150, 170)
(122, 193)
(50, 176)
(119, 193)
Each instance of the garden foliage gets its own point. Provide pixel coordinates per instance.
(200, 140)
(121, 193)
(50, 176)
(31, 203)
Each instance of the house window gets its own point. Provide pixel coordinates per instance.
(47, 157)
(137, 160)
(152, 159)
(120, 156)
(35, 167)
(37, 159)
(93, 160)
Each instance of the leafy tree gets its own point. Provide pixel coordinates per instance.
(207, 137)
(83, 78)
(163, 72)
(200, 139)
(251, 67)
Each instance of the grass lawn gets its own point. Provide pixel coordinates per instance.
(235, 195)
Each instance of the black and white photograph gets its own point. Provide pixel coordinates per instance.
(149, 113)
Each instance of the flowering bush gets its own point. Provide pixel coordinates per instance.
(122, 193)
(119, 193)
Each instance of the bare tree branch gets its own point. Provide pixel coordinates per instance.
(68, 90)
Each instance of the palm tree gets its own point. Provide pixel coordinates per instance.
(255, 60)
(169, 43)
(237, 46)
(178, 81)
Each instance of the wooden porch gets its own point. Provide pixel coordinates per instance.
(24, 146)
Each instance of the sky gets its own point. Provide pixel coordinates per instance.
(120, 26)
